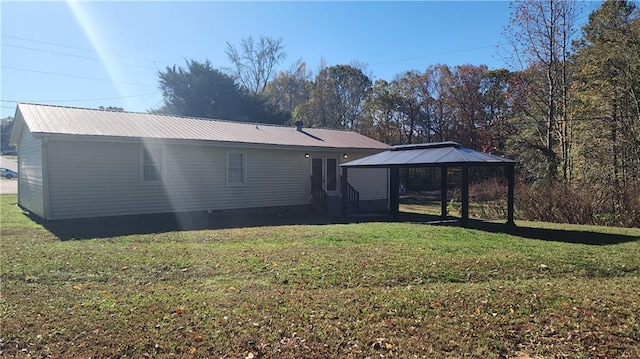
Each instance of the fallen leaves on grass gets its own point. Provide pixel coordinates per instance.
(380, 344)
(348, 291)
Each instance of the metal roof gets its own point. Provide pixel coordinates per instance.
(59, 120)
(428, 155)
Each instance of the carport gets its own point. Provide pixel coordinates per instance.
(443, 155)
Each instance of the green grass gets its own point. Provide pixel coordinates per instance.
(319, 291)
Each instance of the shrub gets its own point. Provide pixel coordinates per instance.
(579, 203)
(488, 199)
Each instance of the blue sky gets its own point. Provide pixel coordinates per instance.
(90, 54)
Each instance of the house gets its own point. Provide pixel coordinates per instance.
(79, 163)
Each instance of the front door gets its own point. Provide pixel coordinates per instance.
(325, 170)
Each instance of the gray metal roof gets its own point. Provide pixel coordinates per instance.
(428, 155)
(58, 120)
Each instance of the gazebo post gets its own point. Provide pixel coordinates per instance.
(443, 192)
(343, 190)
(394, 192)
(511, 183)
(465, 195)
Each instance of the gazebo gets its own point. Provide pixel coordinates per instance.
(444, 155)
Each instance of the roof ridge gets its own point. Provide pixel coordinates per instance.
(330, 129)
(425, 145)
(154, 114)
(76, 107)
(184, 117)
(66, 120)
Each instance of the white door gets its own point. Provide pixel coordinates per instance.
(325, 170)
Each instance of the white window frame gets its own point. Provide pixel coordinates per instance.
(144, 149)
(243, 182)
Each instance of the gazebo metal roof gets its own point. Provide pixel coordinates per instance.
(429, 155)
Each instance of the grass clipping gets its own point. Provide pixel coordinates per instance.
(330, 291)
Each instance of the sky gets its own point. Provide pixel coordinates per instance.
(91, 54)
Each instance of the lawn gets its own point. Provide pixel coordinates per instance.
(390, 290)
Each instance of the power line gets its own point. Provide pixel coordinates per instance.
(86, 100)
(77, 56)
(432, 55)
(84, 49)
(74, 76)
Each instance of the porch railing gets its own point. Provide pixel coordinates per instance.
(318, 192)
(351, 195)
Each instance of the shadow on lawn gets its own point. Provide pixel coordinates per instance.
(544, 234)
(160, 223)
(556, 235)
(105, 227)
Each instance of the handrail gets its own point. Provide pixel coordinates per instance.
(352, 195)
(319, 193)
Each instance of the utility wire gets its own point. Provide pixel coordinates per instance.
(74, 76)
(165, 63)
(87, 100)
(77, 56)
(84, 49)
(432, 55)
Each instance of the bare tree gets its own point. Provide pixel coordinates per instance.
(541, 33)
(255, 61)
(290, 88)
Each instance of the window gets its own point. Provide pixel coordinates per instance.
(152, 164)
(236, 174)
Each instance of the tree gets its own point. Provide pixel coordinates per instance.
(381, 114)
(541, 33)
(608, 97)
(199, 90)
(467, 101)
(409, 94)
(5, 133)
(438, 81)
(111, 108)
(290, 88)
(497, 109)
(255, 62)
(337, 97)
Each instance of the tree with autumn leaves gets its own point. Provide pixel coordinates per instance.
(606, 140)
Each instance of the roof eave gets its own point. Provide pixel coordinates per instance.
(107, 138)
(17, 128)
(443, 164)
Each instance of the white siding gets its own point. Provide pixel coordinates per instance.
(370, 182)
(89, 179)
(94, 178)
(273, 178)
(30, 181)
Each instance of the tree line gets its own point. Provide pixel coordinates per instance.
(568, 109)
